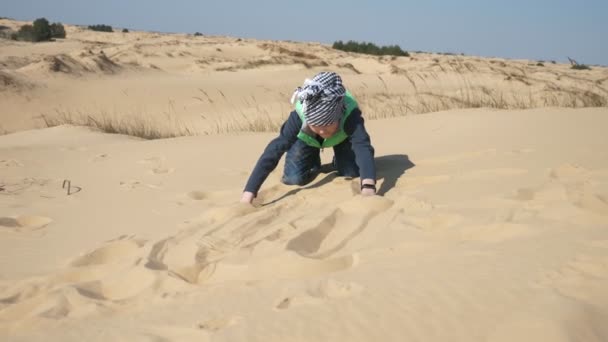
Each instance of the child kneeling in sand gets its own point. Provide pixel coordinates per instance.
(326, 115)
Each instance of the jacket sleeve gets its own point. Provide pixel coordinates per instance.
(273, 152)
(361, 144)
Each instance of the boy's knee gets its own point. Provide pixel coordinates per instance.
(348, 170)
(349, 173)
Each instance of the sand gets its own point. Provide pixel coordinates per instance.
(491, 224)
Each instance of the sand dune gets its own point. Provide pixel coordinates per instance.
(491, 224)
(211, 82)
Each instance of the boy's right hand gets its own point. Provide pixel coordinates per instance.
(247, 197)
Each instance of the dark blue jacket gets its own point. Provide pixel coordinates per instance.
(354, 128)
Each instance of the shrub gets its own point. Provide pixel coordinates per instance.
(38, 32)
(369, 48)
(125, 31)
(580, 67)
(198, 34)
(25, 33)
(42, 30)
(57, 30)
(101, 28)
(540, 64)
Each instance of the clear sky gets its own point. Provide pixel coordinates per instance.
(534, 29)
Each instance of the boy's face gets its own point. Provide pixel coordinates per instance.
(326, 131)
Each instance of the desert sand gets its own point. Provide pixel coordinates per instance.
(491, 222)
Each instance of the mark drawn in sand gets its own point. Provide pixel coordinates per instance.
(337, 228)
(229, 243)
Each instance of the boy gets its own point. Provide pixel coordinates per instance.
(326, 115)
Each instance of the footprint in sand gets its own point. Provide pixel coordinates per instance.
(496, 232)
(434, 222)
(320, 292)
(25, 223)
(162, 170)
(152, 160)
(6, 163)
(217, 324)
(585, 277)
(120, 285)
(135, 184)
(521, 151)
(119, 250)
(568, 173)
(458, 157)
(583, 197)
(100, 158)
(331, 288)
(577, 188)
(492, 173)
(198, 195)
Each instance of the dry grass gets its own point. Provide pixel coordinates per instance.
(277, 60)
(150, 129)
(284, 51)
(350, 67)
(386, 105)
(256, 124)
(132, 125)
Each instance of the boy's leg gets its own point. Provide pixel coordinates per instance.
(302, 164)
(344, 160)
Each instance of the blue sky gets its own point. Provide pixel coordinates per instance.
(541, 30)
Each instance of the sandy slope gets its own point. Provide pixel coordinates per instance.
(215, 83)
(492, 227)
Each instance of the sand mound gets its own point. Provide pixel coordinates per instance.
(11, 81)
(74, 66)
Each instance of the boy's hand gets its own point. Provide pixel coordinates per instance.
(247, 197)
(368, 192)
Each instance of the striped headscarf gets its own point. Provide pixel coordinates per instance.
(322, 99)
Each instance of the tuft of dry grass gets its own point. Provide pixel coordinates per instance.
(350, 67)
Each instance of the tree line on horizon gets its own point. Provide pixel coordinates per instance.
(370, 48)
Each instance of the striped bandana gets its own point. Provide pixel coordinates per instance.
(322, 99)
